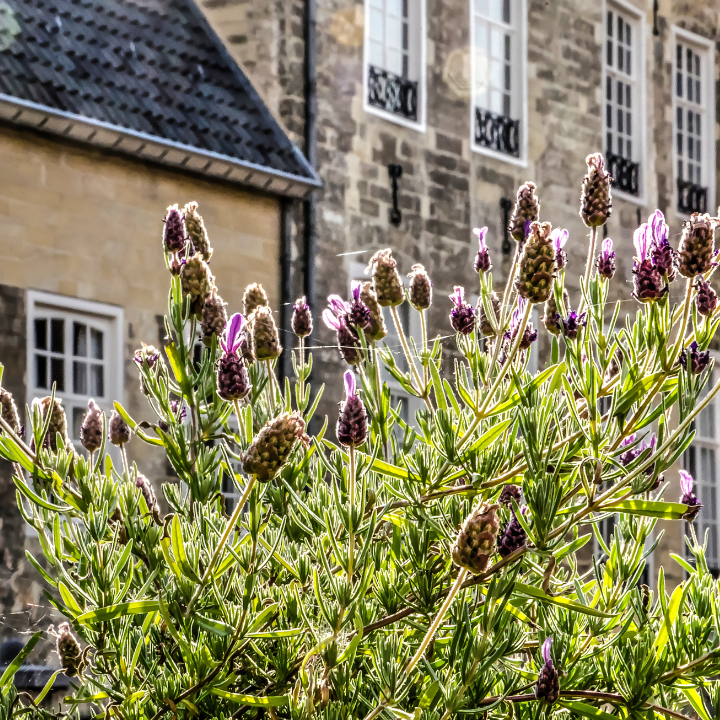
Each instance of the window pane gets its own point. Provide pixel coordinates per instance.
(57, 372)
(609, 24)
(620, 94)
(97, 381)
(697, 91)
(628, 63)
(80, 378)
(608, 89)
(497, 43)
(609, 116)
(689, 89)
(506, 11)
(41, 371)
(41, 333)
(609, 53)
(377, 25)
(57, 335)
(621, 57)
(679, 85)
(628, 37)
(628, 123)
(96, 344)
(680, 118)
(79, 339)
(628, 150)
(628, 96)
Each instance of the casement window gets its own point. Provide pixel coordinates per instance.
(701, 461)
(498, 70)
(394, 60)
(624, 98)
(77, 345)
(693, 117)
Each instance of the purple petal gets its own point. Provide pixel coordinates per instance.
(356, 287)
(349, 384)
(660, 230)
(559, 237)
(481, 233)
(546, 650)
(641, 241)
(528, 223)
(337, 304)
(231, 342)
(686, 482)
(607, 246)
(457, 296)
(330, 319)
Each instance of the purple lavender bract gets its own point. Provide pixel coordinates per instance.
(351, 426)
(649, 284)
(174, 236)
(462, 316)
(302, 322)
(706, 298)
(572, 324)
(233, 381)
(606, 260)
(482, 260)
(358, 313)
(559, 237)
(688, 498)
(699, 360)
(664, 256)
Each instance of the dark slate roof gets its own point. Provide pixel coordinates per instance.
(148, 66)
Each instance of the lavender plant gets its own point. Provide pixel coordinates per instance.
(416, 570)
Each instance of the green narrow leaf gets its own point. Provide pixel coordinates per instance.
(290, 632)
(47, 688)
(439, 392)
(683, 563)
(213, 626)
(695, 700)
(179, 550)
(489, 436)
(669, 618)
(137, 607)
(269, 701)
(19, 659)
(33, 497)
(587, 710)
(124, 414)
(559, 601)
(68, 599)
(650, 508)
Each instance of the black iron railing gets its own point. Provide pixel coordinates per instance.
(692, 198)
(625, 173)
(392, 93)
(497, 132)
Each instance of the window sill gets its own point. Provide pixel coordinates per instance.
(520, 162)
(639, 200)
(415, 125)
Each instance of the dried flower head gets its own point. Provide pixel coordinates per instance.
(527, 209)
(91, 429)
(174, 236)
(387, 283)
(509, 493)
(352, 420)
(420, 288)
(475, 542)
(302, 322)
(596, 197)
(697, 245)
(706, 298)
(9, 410)
(214, 317)
(58, 424)
(119, 430)
(266, 343)
(462, 316)
(197, 281)
(606, 260)
(68, 650)
(196, 230)
(482, 259)
(377, 330)
(271, 447)
(253, 298)
(537, 264)
(688, 498)
(547, 689)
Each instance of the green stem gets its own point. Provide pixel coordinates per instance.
(351, 494)
(239, 414)
(421, 390)
(423, 327)
(588, 267)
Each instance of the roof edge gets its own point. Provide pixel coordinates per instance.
(156, 149)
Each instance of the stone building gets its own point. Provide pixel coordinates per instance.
(471, 98)
(109, 112)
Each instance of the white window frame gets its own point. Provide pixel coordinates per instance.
(706, 49)
(640, 106)
(519, 6)
(39, 303)
(420, 125)
(701, 485)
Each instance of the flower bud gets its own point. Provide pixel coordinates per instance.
(483, 322)
(9, 410)
(377, 330)
(358, 313)
(302, 322)
(196, 282)
(68, 650)
(572, 324)
(697, 245)
(547, 689)
(559, 238)
(272, 446)
(529, 334)
(482, 259)
(699, 360)
(91, 430)
(527, 208)
(196, 230)
(254, 297)
(663, 256)
(537, 264)
(596, 198)
(214, 317)
(550, 319)
(706, 298)
(606, 260)
(512, 537)
(387, 283)
(352, 419)
(266, 344)
(508, 494)
(119, 429)
(475, 542)
(174, 237)
(462, 316)
(58, 423)
(420, 288)
(147, 355)
(688, 498)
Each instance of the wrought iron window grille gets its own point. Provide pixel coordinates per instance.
(497, 132)
(392, 93)
(692, 198)
(625, 173)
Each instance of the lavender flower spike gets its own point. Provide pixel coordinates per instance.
(559, 237)
(233, 381)
(548, 683)
(482, 261)
(462, 316)
(606, 260)
(352, 419)
(699, 360)
(648, 280)
(358, 313)
(232, 337)
(688, 498)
